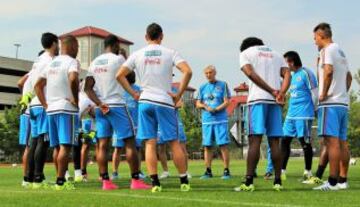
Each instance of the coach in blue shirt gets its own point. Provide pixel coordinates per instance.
(213, 98)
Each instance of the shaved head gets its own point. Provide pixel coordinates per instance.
(69, 46)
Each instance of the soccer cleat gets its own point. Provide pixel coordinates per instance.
(115, 176)
(343, 186)
(313, 180)
(109, 185)
(164, 175)
(185, 187)
(307, 175)
(268, 176)
(326, 187)
(156, 189)
(244, 187)
(206, 176)
(79, 179)
(142, 175)
(139, 185)
(278, 187)
(42, 185)
(26, 184)
(226, 176)
(283, 176)
(65, 186)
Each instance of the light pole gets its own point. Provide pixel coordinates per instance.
(17, 45)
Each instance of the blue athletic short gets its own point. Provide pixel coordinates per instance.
(25, 130)
(264, 119)
(38, 121)
(300, 128)
(153, 117)
(63, 129)
(116, 123)
(215, 133)
(333, 121)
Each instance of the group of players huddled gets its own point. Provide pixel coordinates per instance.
(68, 114)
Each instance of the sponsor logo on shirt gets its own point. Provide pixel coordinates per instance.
(100, 70)
(55, 64)
(265, 55)
(152, 61)
(151, 53)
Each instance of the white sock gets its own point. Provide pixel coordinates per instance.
(183, 175)
(283, 171)
(78, 173)
(308, 172)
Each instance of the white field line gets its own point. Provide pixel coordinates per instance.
(180, 199)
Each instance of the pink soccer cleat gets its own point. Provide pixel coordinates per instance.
(139, 185)
(108, 185)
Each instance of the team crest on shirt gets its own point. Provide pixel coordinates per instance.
(218, 89)
(298, 79)
(55, 64)
(342, 54)
(102, 62)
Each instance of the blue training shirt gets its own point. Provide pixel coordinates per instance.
(301, 105)
(132, 104)
(213, 94)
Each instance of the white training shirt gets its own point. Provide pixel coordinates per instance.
(58, 91)
(153, 65)
(38, 67)
(337, 93)
(84, 103)
(103, 69)
(267, 64)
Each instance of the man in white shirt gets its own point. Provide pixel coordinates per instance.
(269, 78)
(334, 84)
(153, 65)
(60, 100)
(38, 117)
(112, 116)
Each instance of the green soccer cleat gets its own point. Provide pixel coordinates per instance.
(185, 187)
(42, 185)
(278, 187)
(312, 181)
(79, 179)
(156, 189)
(66, 186)
(26, 185)
(244, 187)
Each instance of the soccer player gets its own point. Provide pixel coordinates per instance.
(112, 116)
(265, 68)
(154, 66)
(301, 112)
(38, 118)
(24, 129)
(334, 84)
(213, 98)
(60, 100)
(132, 106)
(182, 139)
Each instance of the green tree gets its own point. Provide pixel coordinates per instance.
(192, 125)
(9, 133)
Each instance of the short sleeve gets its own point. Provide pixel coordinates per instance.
(199, 95)
(74, 66)
(328, 56)
(244, 59)
(177, 58)
(310, 80)
(130, 63)
(43, 73)
(227, 93)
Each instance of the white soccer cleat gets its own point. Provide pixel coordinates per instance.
(326, 187)
(164, 175)
(343, 186)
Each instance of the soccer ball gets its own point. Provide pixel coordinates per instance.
(352, 161)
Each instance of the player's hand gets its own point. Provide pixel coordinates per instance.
(280, 98)
(322, 98)
(209, 109)
(73, 102)
(136, 96)
(104, 108)
(275, 93)
(176, 97)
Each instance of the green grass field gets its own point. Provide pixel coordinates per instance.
(214, 192)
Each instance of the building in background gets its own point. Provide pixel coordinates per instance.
(91, 43)
(11, 70)
(90, 46)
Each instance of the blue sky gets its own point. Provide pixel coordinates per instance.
(204, 32)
